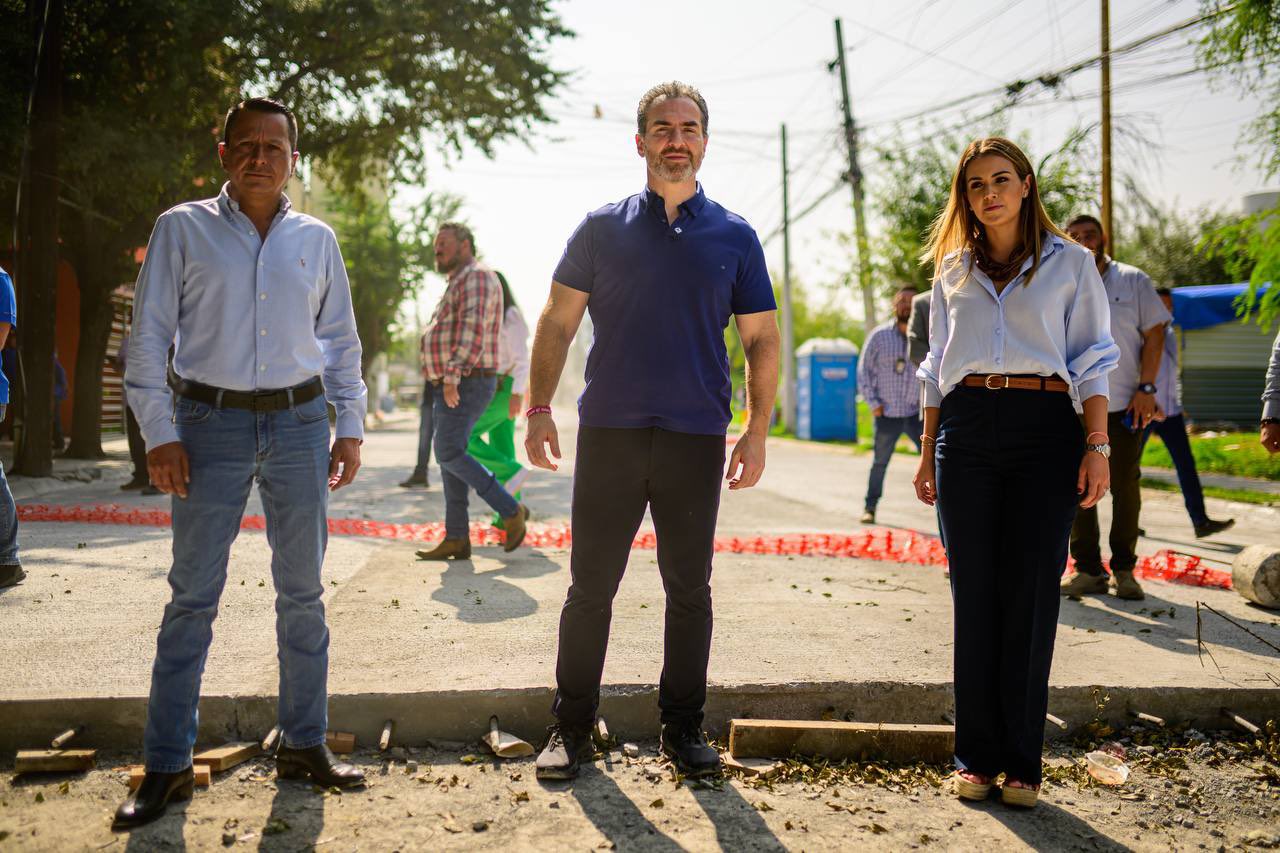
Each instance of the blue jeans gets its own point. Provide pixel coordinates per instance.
(425, 430)
(8, 517)
(460, 472)
(887, 431)
(287, 452)
(1173, 432)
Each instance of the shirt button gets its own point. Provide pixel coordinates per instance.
(262, 332)
(679, 231)
(262, 297)
(262, 368)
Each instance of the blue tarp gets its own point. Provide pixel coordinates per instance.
(1203, 305)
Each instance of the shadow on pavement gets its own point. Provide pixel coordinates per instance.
(483, 597)
(1046, 821)
(164, 834)
(738, 824)
(614, 814)
(295, 821)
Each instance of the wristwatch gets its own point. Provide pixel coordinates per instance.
(1147, 388)
(1104, 449)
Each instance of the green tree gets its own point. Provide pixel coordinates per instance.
(1169, 245)
(1241, 46)
(386, 258)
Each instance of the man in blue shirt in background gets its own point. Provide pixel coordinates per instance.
(661, 273)
(887, 380)
(10, 569)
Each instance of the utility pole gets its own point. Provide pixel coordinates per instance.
(788, 318)
(855, 181)
(1106, 127)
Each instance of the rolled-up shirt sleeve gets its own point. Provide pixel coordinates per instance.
(1271, 392)
(155, 322)
(939, 331)
(1091, 353)
(516, 332)
(344, 386)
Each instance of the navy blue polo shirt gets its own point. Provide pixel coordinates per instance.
(661, 297)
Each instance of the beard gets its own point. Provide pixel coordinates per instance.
(673, 172)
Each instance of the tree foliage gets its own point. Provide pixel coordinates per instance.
(1170, 246)
(1241, 46)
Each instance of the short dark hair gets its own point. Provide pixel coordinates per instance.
(663, 91)
(907, 288)
(460, 231)
(1164, 291)
(261, 105)
(1081, 218)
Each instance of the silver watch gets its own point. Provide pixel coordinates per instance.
(1104, 449)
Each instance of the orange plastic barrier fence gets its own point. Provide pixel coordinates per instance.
(889, 544)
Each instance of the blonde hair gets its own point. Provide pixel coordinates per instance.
(957, 228)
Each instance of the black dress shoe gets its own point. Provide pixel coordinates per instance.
(1211, 527)
(565, 749)
(153, 795)
(11, 574)
(318, 764)
(686, 745)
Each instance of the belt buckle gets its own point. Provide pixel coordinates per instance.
(996, 376)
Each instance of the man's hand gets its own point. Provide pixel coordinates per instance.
(169, 468)
(515, 406)
(344, 462)
(451, 396)
(748, 454)
(1143, 407)
(540, 433)
(878, 411)
(1271, 437)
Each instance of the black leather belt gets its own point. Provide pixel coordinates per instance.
(254, 401)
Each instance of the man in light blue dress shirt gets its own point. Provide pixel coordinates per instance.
(254, 296)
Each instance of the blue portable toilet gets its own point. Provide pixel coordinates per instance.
(827, 390)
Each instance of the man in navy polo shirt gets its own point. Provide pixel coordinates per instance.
(660, 272)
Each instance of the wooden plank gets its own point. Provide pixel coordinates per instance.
(137, 771)
(839, 741)
(385, 740)
(341, 743)
(224, 757)
(54, 760)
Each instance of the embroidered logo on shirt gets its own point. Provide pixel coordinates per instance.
(302, 261)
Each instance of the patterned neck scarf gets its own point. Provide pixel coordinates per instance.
(1000, 272)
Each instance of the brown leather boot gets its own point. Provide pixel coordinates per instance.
(449, 549)
(515, 528)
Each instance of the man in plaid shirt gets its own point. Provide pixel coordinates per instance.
(887, 380)
(461, 366)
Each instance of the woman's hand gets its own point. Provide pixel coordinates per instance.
(1094, 479)
(925, 481)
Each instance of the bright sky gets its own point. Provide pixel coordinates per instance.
(761, 63)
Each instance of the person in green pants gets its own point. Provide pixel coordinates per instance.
(493, 441)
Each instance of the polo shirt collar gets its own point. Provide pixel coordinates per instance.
(693, 205)
(227, 203)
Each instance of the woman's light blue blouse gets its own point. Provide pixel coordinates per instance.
(1059, 325)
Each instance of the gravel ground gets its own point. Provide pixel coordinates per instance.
(1187, 791)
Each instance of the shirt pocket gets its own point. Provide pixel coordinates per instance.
(1124, 308)
(297, 282)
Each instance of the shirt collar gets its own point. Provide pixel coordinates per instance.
(462, 270)
(693, 205)
(227, 203)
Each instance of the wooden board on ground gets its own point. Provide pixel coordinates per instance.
(228, 756)
(838, 741)
(54, 760)
(341, 743)
(763, 767)
(137, 771)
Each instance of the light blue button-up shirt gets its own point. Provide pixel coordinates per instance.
(245, 314)
(1168, 386)
(1059, 325)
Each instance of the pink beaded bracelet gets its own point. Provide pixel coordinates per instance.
(537, 410)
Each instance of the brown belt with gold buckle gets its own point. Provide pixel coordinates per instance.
(999, 381)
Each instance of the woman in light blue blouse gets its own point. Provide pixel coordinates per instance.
(1019, 344)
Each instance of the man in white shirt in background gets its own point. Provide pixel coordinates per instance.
(1138, 320)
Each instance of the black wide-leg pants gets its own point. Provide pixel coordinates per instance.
(617, 474)
(1007, 467)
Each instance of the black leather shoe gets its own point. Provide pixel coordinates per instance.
(11, 574)
(153, 795)
(1211, 527)
(686, 745)
(318, 764)
(416, 481)
(448, 549)
(565, 749)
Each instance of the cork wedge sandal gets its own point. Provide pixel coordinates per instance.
(967, 789)
(1023, 798)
